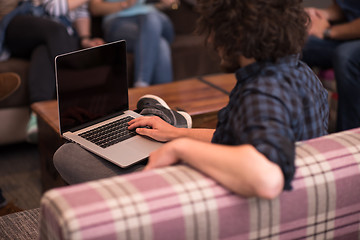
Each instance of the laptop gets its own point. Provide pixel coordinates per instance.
(92, 93)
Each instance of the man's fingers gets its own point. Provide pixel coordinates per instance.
(143, 121)
(144, 131)
(140, 122)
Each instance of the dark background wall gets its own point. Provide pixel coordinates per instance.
(317, 3)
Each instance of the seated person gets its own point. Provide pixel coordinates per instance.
(334, 42)
(148, 33)
(39, 31)
(277, 101)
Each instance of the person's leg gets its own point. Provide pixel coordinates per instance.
(163, 72)
(151, 105)
(41, 87)
(167, 27)
(346, 64)
(126, 28)
(154, 27)
(146, 50)
(41, 84)
(318, 52)
(163, 68)
(77, 165)
(24, 36)
(40, 40)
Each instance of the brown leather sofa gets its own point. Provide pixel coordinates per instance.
(189, 55)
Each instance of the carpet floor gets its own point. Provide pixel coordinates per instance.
(20, 176)
(9, 208)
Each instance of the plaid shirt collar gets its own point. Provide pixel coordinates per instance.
(246, 72)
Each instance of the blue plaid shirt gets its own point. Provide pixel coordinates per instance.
(273, 105)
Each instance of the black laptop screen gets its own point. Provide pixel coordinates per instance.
(91, 85)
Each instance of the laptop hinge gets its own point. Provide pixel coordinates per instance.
(93, 122)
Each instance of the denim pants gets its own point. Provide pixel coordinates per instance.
(39, 40)
(344, 58)
(149, 37)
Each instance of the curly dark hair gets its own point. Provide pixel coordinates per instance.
(260, 29)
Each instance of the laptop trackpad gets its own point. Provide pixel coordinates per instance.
(131, 151)
(143, 145)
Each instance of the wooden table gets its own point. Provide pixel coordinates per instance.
(201, 97)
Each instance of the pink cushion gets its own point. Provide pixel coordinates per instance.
(180, 203)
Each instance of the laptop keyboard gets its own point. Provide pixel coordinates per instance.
(109, 134)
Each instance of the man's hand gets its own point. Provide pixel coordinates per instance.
(91, 42)
(157, 129)
(165, 4)
(164, 156)
(318, 22)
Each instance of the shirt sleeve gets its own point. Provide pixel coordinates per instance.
(263, 114)
(56, 8)
(267, 125)
(81, 12)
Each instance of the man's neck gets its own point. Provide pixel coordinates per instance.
(243, 61)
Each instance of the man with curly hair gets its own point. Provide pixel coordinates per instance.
(277, 100)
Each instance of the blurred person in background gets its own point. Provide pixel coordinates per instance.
(39, 30)
(334, 42)
(148, 33)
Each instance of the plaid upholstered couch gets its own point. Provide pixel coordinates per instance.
(180, 203)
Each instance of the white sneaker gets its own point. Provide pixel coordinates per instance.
(154, 105)
(32, 129)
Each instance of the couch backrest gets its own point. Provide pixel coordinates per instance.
(180, 203)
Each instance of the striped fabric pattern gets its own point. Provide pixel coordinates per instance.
(22, 225)
(57, 8)
(180, 203)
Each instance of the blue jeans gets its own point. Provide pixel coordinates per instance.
(149, 37)
(344, 58)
